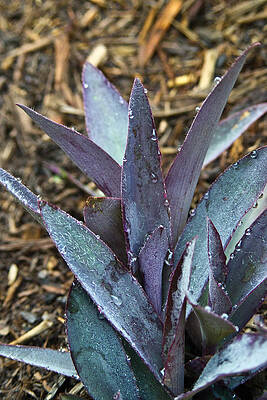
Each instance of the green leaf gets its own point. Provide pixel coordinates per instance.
(52, 360)
(229, 129)
(96, 350)
(111, 286)
(214, 328)
(243, 354)
(230, 196)
(106, 113)
(150, 388)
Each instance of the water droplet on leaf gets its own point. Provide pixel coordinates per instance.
(248, 232)
(197, 109)
(192, 212)
(235, 165)
(207, 308)
(225, 316)
(154, 177)
(85, 85)
(253, 154)
(116, 300)
(145, 90)
(217, 80)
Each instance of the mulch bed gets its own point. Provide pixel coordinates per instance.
(177, 49)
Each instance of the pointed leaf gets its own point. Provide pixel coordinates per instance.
(248, 265)
(246, 220)
(229, 129)
(102, 215)
(90, 158)
(183, 175)
(218, 297)
(174, 327)
(52, 360)
(179, 283)
(243, 354)
(245, 309)
(225, 203)
(150, 388)
(151, 260)
(143, 192)
(106, 113)
(25, 197)
(248, 270)
(96, 350)
(214, 328)
(108, 283)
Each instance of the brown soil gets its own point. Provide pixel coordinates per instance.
(43, 45)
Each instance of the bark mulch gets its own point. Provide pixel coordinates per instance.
(177, 48)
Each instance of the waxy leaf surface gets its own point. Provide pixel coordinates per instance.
(150, 388)
(102, 215)
(109, 284)
(96, 350)
(248, 267)
(218, 297)
(229, 129)
(52, 360)
(143, 192)
(183, 175)
(244, 353)
(234, 192)
(174, 326)
(88, 156)
(214, 328)
(106, 113)
(151, 260)
(25, 197)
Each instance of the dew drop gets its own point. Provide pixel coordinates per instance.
(235, 165)
(236, 328)
(154, 137)
(179, 148)
(116, 300)
(192, 212)
(197, 109)
(121, 100)
(255, 205)
(97, 236)
(232, 256)
(206, 196)
(253, 154)
(207, 308)
(145, 90)
(234, 307)
(154, 177)
(166, 203)
(248, 232)
(225, 316)
(85, 85)
(162, 371)
(217, 80)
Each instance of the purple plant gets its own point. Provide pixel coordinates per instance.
(147, 278)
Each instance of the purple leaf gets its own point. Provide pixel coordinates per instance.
(25, 197)
(214, 328)
(241, 355)
(244, 311)
(52, 360)
(109, 284)
(89, 157)
(225, 203)
(95, 346)
(151, 260)
(106, 113)
(183, 175)
(229, 129)
(143, 193)
(247, 219)
(248, 267)
(174, 326)
(102, 215)
(218, 297)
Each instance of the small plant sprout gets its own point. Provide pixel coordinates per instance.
(159, 299)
